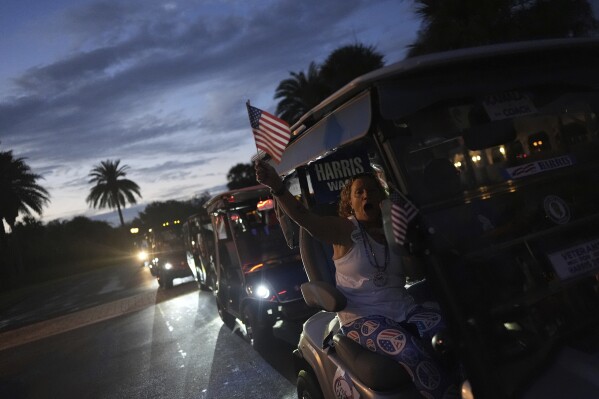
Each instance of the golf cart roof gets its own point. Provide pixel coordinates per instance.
(233, 198)
(346, 115)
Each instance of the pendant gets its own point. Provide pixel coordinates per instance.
(380, 279)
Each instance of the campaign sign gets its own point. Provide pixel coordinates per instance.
(576, 261)
(508, 105)
(328, 176)
(545, 165)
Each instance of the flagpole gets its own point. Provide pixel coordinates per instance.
(247, 104)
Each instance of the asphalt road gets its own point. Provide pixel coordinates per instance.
(81, 291)
(138, 341)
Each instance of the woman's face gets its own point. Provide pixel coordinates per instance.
(366, 197)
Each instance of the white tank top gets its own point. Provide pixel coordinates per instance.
(354, 273)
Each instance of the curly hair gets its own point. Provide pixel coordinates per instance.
(344, 208)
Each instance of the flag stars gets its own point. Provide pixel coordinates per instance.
(272, 134)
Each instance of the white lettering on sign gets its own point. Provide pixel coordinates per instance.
(539, 166)
(335, 170)
(576, 261)
(507, 105)
(336, 185)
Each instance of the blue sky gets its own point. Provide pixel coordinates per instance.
(162, 85)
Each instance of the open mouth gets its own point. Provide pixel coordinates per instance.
(368, 207)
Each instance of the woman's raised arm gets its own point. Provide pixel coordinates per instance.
(329, 229)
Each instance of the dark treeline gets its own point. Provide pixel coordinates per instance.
(37, 252)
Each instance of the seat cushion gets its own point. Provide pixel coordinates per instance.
(322, 295)
(378, 372)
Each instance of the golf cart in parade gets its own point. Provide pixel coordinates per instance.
(142, 251)
(199, 246)
(498, 149)
(169, 260)
(258, 274)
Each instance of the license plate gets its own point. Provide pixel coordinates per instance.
(577, 260)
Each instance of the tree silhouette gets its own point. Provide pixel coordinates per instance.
(241, 175)
(20, 192)
(347, 63)
(302, 92)
(453, 24)
(157, 213)
(111, 189)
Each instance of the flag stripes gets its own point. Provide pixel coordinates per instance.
(271, 133)
(402, 213)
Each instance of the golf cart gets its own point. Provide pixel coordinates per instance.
(169, 260)
(199, 246)
(498, 149)
(258, 274)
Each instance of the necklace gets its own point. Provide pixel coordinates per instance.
(379, 277)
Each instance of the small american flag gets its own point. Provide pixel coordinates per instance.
(271, 133)
(402, 213)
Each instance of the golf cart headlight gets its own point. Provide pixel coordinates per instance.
(168, 266)
(467, 390)
(142, 255)
(262, 291)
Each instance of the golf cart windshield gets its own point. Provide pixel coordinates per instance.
(507, 187)
(169, 240)
(522, 160)
(258, 237)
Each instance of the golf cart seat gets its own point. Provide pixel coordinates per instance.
(376, 371)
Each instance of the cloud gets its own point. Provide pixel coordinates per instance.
(162, 85)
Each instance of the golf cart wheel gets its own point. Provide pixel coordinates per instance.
(168, 283)
(307, 386)
(203, 282)
(211, 281)
(203, 286)
(225, 316)
(258, 332)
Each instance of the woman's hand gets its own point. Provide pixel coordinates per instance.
(268, 176)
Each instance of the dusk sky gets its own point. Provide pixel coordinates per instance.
(162, 85)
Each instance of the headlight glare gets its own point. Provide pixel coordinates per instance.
(168, 266)
(142, 255)
(467, 390)
(262, 291)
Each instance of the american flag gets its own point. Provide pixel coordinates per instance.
(402, 213)
(271, 133)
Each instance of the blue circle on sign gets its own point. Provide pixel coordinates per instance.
(556, 209)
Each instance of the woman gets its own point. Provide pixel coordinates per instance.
(380, 313)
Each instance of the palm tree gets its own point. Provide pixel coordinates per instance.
(302, 92)
(453, 24)
(299, 94)
(347, 63)
(20, 192)
(111, 190)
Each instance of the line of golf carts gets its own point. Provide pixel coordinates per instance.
(498, 148)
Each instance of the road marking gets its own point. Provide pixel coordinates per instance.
(113, 285)
(58, 325)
